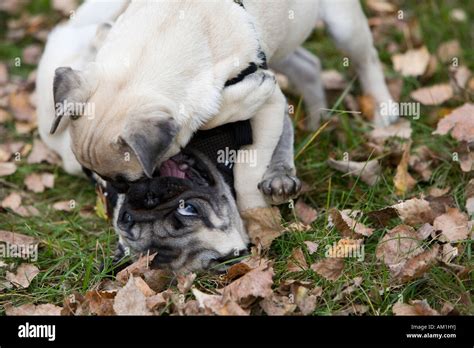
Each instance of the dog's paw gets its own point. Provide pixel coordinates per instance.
(280, 187)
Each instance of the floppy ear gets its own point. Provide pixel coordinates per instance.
(68, 87)
(149, 137)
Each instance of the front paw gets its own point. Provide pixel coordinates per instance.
(280, 187)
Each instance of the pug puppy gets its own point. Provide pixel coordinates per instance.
(192, 221)
(168, 68)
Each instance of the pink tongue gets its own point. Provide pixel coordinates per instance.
(170, 168)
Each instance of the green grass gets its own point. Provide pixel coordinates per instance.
(73, 247)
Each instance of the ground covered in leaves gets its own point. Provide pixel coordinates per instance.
(384, 225)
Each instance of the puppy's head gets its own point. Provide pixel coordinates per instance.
(156, 79)
(188, 216)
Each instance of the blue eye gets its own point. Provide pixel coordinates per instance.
(187, 210)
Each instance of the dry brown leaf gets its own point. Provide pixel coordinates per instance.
(416, 307)
(330, 268)
(27, 211)
(136, 269)
(413, 62)
(353, 309)
(21, 108)
(401, 129)
(25, 273)
(460, 122)
(433, 95)
(305, 213)
(17, 239)
(416, 266)
(7, 168)
(367, 106)
(448, 252)
(381, 6)
(256, 283)
(263, 225)
(398, 245)
(277, 305)
(421, 161)
(31, 309)
(41, 153)
(217, 304)
(3, 74)
(449, 50)
(32, 54)
(12, 201)
(306, 299)
(349, 288)
(65, 6)
(461, 76)
(453, 225)
(368, 172)
(63, 206)
(38, 182)
(346, 223)
(403, 181)
(311, 246)
(297, 262)
(130, 300)
(101, 302)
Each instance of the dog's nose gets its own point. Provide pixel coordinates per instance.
(151, 201)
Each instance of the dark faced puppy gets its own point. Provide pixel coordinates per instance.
(188, 215)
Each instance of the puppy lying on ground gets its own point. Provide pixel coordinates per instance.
(168, 68)
(192, 221)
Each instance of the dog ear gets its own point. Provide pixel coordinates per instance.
(68, 87)
(149, 137)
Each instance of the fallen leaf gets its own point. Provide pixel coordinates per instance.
(143, 287)
(401, 129)
(349, 288)
(277, 305)
(17, 239)
(421, 161)
(449, 50)
(63, 206)
(413, 62)
(460, 122)
(101, 302)
(256, 283)
(21, 108)
(403, 181)
(453, 225)
(398, 245)
(41, 153)
(330, 268)
(461, 76)
(305, 213)
(448, 252)
(25, 273)
(217, 304)
(7, 168)
(367, 106)
(130, 300)
(381, 6)
(12, 201)
(263, 225)
(433, 95)
(458, 14)
(416, 307)
(346, 224)
(38, 182)
(32, 54)
(65, 6)
(353, 309)
(306, 299)
(297, 262)
(312, 247)
(3, 74)
(31, 309)
(416, 266)
(367, 171)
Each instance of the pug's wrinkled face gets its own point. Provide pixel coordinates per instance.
(187, 215)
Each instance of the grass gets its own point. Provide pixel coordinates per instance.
(73, 247)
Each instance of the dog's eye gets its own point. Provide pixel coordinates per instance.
(187, 210)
